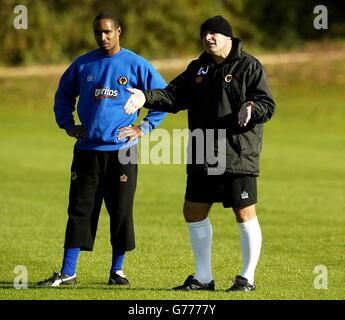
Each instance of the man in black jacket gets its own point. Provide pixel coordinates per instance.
(226, 93)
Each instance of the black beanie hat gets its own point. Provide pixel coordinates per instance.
(216, 24)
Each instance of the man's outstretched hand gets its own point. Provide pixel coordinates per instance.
(135, 101)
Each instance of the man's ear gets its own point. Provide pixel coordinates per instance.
(118, 30)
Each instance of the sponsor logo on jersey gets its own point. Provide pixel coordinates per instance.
(122, 80)
(202, 70)
(105, 93)
(89, 78)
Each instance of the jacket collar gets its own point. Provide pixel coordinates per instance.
(235, 53)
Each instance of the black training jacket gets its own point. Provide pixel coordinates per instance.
(213, 95)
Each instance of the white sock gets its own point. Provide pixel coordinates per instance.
(200, 234)
(250, 234)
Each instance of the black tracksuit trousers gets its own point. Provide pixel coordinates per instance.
(98, 175)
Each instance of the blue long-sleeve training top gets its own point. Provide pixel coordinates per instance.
(100, 81)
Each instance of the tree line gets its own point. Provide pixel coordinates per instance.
(60, 30)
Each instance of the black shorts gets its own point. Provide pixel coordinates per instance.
(232, 190)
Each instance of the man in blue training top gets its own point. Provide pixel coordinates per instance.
(106, 132)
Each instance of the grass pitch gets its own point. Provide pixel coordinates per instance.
(301, 201)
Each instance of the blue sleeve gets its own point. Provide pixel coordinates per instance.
(152, 80)
(65, 98)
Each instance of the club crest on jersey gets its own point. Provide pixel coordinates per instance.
(228, 78)
(122, 80)
(89, 78)
(105, 93)
(202, 70)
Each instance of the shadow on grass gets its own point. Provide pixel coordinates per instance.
(33, 285)
(6, 285)
(96, 286)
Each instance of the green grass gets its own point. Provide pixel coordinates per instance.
(301, 200)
